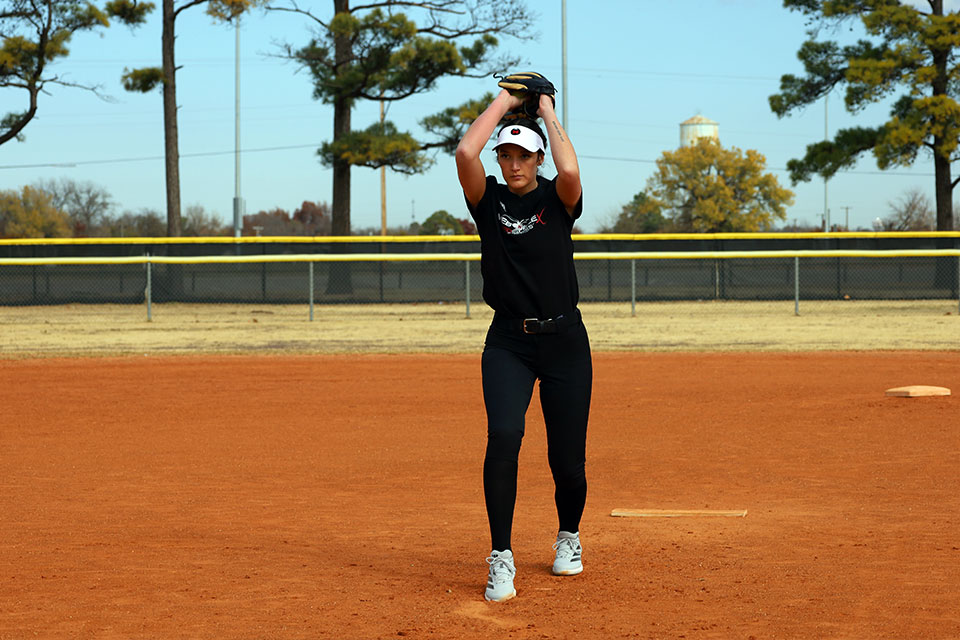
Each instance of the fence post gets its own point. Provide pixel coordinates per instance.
(716, 279)
(380, 271)
(263, 274)
(796, 285)
(633, 287)
(467, 280)
(149, 292)
(311, 290)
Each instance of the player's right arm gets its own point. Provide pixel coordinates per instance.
(473, 179)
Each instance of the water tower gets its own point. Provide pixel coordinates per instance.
(698, 127)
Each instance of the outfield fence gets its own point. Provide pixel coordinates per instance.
(451, 277)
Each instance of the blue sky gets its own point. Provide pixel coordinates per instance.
(636, 69)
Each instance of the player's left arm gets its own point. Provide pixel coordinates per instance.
(564, 157)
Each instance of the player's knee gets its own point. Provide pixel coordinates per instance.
(504, 444)
(568, 475)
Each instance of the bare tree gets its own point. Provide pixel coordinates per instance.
(146, 223)
(198, 222)
(913, 211)
(87, 205)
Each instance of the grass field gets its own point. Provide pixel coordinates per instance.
(445, 328)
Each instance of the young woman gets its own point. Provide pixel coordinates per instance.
(530, 282)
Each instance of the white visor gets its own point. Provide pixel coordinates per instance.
(520, 136)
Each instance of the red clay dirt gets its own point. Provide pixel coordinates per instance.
(340, 497)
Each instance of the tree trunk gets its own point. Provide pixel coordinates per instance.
(941, 160)
(944, 190)
(946, 268)
(171, 150)
(170, 280)
(945, 275)
(342, 107)
(341, 172)
(339, 280)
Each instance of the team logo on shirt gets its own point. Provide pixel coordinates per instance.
(516, 227)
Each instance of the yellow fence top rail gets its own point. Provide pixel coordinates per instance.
(580, 237)
(472, 257)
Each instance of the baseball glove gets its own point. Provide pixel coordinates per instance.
(528, 86)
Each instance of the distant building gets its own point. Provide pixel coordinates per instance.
(698, 127)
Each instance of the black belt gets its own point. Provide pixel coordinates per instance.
(536, 325)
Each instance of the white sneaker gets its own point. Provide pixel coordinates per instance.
(500, 582)
(567, 562)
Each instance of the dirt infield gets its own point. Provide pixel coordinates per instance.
(338, 496)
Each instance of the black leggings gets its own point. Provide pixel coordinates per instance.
(511, 362)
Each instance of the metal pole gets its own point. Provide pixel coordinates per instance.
(383, 186)
(796, 285)
(633, 288)
(311, 291)
(380, 273)
(237, 200)
(716, 279)
(826, 137)
(958, 284)
(563, 58)
(467, 263)
(149, 292)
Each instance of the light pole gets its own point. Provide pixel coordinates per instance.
(383, 185)
(826, 137)
(237, 200)
(563, 62)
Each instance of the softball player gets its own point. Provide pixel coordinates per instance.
(530, 282)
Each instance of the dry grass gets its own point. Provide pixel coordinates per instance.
(81, 330)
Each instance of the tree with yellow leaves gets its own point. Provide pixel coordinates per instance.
(706, 188)
(30, 213)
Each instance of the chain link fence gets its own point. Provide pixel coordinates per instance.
(609, 270)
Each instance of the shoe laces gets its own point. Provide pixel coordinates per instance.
(566, 547)
(501, 570)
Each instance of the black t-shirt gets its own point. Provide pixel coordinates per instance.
(526, 253)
